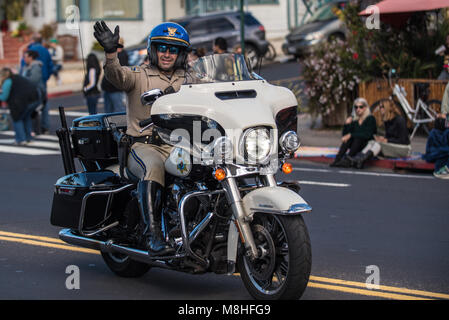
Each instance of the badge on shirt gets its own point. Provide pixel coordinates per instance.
(135, 69)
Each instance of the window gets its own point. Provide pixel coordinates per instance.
(263, 1)
(103, 9)
(196, 29)
(220, 25)
(115, 9)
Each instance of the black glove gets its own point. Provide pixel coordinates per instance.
(108, 40)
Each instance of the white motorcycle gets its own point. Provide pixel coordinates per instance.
(223, 210)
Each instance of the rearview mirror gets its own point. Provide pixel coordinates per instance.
(149, 97)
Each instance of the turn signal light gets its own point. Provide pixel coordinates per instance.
(287, 168)
(220, 174)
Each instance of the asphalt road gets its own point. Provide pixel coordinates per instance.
(394, 225)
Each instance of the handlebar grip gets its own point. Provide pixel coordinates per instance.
(145, 123)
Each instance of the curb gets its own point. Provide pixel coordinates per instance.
(61, 94)
(380, 163)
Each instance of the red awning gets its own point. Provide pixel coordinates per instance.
(401, 6)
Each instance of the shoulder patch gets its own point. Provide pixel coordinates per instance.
(135, 69)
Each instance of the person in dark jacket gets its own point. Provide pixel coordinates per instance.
(47, 70)
(22, 97)
(357, 132)
(395, 143)
(91, 80)
(113, 97)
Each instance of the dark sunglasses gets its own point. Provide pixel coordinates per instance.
(359, 107)
(163, 48)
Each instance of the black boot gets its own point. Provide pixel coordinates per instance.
(360, 159)
(150, 205)
(344, 162)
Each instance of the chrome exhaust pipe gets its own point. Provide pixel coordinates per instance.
(68, 236)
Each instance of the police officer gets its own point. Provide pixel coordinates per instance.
(167, 50)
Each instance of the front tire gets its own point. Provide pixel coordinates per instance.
(123, 266)
(283, 269)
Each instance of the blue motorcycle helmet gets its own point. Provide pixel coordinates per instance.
(169, 33)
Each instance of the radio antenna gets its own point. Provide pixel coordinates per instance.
(73, 19)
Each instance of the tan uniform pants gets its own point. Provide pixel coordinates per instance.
(147, 161)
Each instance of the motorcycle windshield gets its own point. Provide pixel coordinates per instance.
(223, 67)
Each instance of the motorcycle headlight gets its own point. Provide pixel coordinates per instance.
(256, 145)
(289, 142)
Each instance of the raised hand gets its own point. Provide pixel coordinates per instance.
(108, 40)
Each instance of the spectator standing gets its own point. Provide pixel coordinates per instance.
(91, 92)
(220, 45)
(445, 103)
(437, 146)
(21, 105)
(33, 70)
(114, 99)
(47, 70)
(57, 56)
(395, 143)
(356, 133)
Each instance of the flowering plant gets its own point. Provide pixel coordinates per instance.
(331, 74)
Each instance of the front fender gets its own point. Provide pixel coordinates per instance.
(275, 200)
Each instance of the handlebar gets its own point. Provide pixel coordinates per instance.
(391, 73)
(145, 123)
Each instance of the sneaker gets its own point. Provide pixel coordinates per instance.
(21, 143)
(442, 173)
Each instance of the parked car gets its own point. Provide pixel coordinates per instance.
(204, 29)
(323, 25)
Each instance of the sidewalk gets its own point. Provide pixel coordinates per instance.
(321, 145)
(72, 78)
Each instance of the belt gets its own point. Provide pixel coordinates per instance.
(152, 139)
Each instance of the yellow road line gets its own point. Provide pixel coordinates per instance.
(381, 287)
(373, 293)
(26, 236)
(50, 245)
(330, 284)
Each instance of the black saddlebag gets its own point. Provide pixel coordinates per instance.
(68, 198)
(93, 138)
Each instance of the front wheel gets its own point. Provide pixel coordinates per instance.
(285, 258)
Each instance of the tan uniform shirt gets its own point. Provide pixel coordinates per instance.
(135, 81)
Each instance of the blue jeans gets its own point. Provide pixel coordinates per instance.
(437, 148)
(92, 103)
(113, 102)
(24, 126)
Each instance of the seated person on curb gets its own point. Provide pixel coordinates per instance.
(167, 50)
(395, 144)
(356, 134)
(437, 146)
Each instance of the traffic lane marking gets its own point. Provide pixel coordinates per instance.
(374, 174)
(314, 281)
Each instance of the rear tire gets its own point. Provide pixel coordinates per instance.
(282, 273)
(123, 266)
(252, 54)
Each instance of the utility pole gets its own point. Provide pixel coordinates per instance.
(242, 26)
